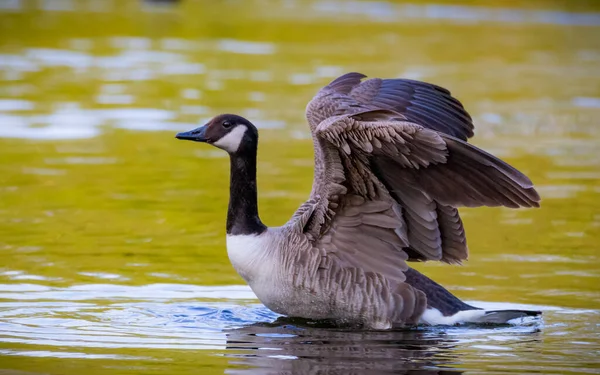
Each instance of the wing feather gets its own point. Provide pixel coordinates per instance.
(428, 173)
(426, 104)
(391, 166)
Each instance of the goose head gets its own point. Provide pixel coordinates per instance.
(231, 133)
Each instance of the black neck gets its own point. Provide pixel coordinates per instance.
(242, 215)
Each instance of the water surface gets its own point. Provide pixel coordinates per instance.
(112, 232)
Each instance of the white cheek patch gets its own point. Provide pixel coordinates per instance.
(232, 140)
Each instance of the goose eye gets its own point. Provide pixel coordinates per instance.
(227, 124)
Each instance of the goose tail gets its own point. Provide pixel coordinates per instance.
(433, 316)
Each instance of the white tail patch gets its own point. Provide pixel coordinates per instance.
(434, 317)
(232, 140)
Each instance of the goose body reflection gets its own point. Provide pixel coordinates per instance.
(392, 164)
(294, 346)
(332, 351)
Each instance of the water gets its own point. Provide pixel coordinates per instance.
(112, 254)
(136, 326)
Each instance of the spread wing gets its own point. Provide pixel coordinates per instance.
(426, 104)
(392, 165)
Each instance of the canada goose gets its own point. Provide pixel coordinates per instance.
(392, 163)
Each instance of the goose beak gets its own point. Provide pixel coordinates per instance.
(193, 135)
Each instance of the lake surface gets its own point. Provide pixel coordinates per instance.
(112, 253)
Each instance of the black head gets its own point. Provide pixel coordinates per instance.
(231, 133)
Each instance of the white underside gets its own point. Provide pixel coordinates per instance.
(251, 255)
(256, 260)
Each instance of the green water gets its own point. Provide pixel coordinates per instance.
(112, 254)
